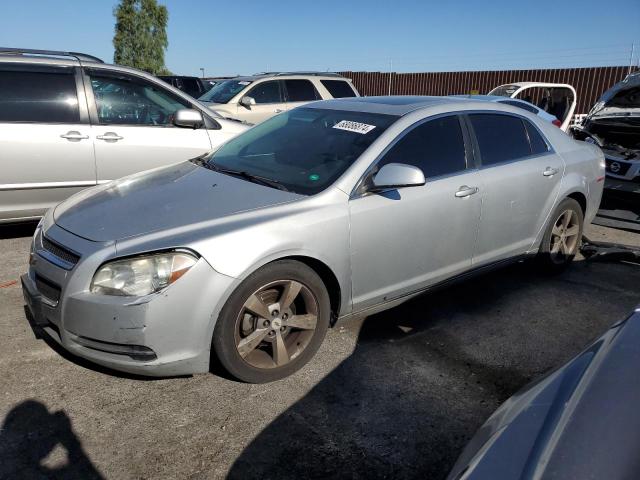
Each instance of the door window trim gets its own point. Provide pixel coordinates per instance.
(478, 154)
(469, 151)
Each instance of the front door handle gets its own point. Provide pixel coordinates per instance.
(110, 137)
(279, 110)
(550, 172)
(465, 191)
(74, 135)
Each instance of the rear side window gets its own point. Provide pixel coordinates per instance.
(266, 92)
(538, 144)
(501, 138)
(436, 147)
(338, 88)
(300, 91)
(43, 97)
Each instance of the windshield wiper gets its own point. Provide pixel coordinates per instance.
(269, 182)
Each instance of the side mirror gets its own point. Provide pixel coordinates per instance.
(188, 117)
(247, 102)
(396, 175)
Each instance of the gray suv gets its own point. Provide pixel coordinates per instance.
(69, 121)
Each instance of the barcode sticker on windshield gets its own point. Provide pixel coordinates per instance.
(357, 127)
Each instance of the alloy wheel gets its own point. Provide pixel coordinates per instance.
(564, 237)
(276, 323)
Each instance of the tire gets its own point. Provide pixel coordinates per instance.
(561, 241)
(273, 323)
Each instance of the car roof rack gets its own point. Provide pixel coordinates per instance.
(315, 74)
(54, 53)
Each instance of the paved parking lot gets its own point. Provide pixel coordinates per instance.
(396, 395)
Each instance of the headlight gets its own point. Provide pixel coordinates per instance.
(141, 275)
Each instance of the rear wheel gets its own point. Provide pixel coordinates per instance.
(273, 323)
(561, 240)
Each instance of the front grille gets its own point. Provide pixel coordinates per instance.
(59, 251)
(617, 167)
(48, 289)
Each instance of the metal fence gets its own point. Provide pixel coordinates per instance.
(589, 82)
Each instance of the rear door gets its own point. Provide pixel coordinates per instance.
(46, 152)
(132, 127)
(269, 97)
(520, 176)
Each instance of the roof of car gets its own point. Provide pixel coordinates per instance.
(390, 105)
(281, 75)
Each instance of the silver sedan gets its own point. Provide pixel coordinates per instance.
(335, 209)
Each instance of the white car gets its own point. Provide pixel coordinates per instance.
(557, 99)
(514, 102)
(256, 98)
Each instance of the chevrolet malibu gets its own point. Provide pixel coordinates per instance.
(335, 209)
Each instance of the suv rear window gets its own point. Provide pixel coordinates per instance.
(501, 138)
(38, 96)
(338, 88)
(300, 91)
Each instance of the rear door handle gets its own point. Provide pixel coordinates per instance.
(110, 136)
(465, 191)
(550, 172)
(74, 135)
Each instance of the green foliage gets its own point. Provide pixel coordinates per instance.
(140, 38)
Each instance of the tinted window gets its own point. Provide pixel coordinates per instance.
(436, 146)
(125, 100)
(266, 92)
(191, 86)
(338, 88)
(500, 137)
(46, 97)
(538, 145)
(524, 106)
(300, 91)
(304, 149)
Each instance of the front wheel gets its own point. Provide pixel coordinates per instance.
(273, 323)
(561, 240)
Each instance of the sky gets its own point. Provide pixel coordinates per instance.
(244, 37)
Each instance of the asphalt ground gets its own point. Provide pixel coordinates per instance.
(395, 395)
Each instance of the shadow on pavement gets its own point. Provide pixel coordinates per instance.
(425, 375)
(17, 230)
(30, 434)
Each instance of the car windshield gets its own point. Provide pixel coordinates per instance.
(504, 90)
(224, 91)
(303, 150)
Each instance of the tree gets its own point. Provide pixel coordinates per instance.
(140, 38)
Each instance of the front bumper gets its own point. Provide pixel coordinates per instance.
(163, 334)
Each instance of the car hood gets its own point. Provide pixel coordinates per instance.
(160, 199)
(620, 100)
(580, 421)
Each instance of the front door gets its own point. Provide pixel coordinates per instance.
(133, 129)
(406, 239)
(269, 99)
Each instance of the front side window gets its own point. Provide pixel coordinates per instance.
(305, 149)
(300, 91)
(436, 147)
(125, 100)
(47, 96)
(224, 91)
(338, 88)
(266, 92)
(501, 138)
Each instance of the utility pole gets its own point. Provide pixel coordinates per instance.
(202, 70)
(390, 73)
(631, 58)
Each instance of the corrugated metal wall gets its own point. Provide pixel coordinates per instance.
(589, 83)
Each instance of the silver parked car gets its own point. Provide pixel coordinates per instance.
(69, 121)
(339, 208)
